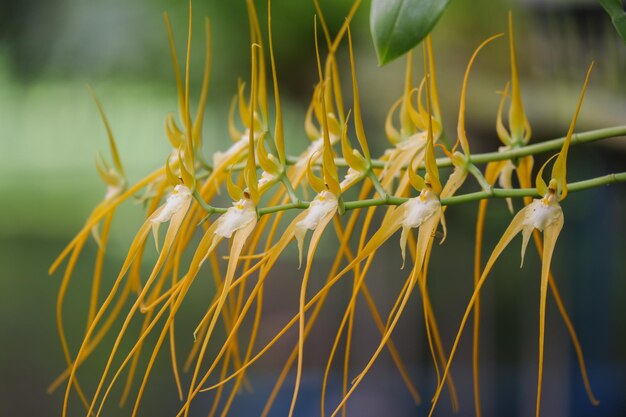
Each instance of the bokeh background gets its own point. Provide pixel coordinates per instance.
(50, 132)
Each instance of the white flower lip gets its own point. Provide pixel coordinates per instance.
(175, 202)
(321, 205)
(236, 217)
(420, 209)
(265, 178)
(351, 176)
(542, 213)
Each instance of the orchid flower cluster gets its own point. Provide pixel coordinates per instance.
(262, 181)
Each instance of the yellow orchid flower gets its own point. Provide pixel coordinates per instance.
(460, 160)
(423, 212)
(544, 215)
(501, 172)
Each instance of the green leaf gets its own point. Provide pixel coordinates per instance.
(399, 25)
(615, 9)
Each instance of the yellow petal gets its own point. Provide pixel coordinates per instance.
(320, 226)
(550, 235)
(559, 168)
(358, 122)
(113, 147)
(239, 239)
(392, 133)
(316, 183)
(233, 132)
(206, 77)
(461, 135)
(517, 117)
(278, 129)
(177, 75)
(517, 224)
(423, 241)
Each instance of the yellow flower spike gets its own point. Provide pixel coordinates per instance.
(178, 201)
(359, 284)
(316, 183)
(177, 74)
(256, 37)
(333, 89)
(109, 176)
(324, 204)
(417, 211)
(268, 261)
(461, 134)
(267, 162)
(186, 174)
(173, 133)
(406, 127)
(416, 181)
(177, 298)
(197, 123)
(432, 171)
(544, 215)
(417, 118)
(99, 213)
(420, 116)
(336, 87)
(393, 135)
(244, 111)
(540, 184)
(250, 169)
(329, 169)
(559, 167)
(234, 133)
(358, 121)
(425, 236)
(460, 172)
(320, 16)
(279, 137)
(353, 157)
(175, 209)
(334, 125)
(189, 148)
(169, 174)
(319, 214)
(135, 350)
(309, 127)
(117, 163)
(520, 128)
(457, 177)
(434, 93)
(503, 134)
(240, 221)
(234, 191)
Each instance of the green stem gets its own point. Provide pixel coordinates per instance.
(283, 207)
(460, 199)
(289, 187)
(550, 145)
(377, 185)
(476, 173)
(531, 192)
(483, 158)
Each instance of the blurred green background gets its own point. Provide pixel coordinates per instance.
(50, 132)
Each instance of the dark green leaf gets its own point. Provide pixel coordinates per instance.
(399, 25)
(615, 9)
